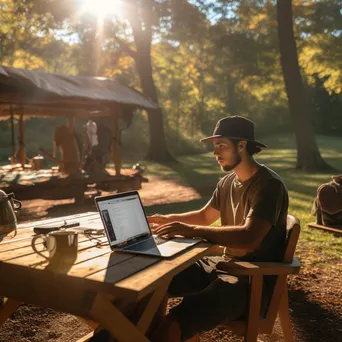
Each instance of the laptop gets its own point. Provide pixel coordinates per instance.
(128, 230)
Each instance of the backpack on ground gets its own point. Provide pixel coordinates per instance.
(327, 206)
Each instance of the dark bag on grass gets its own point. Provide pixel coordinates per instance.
(328, 203)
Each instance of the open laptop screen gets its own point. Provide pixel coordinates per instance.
(124, 217)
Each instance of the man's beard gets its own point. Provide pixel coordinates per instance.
(228, 168)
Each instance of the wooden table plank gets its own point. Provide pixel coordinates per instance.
(73, 217)
(139, 284)
(90, 260)
(25, 256)
(25, 231)
(64, 291)
(24, 245)
(115, 272)
(99, 268)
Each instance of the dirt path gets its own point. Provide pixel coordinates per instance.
(315, 295)
(155, 192)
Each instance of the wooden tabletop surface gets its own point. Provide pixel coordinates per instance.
(96, 268)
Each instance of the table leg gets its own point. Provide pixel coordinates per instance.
(9, 306)
(91, 324)
(152, 306)
(118, 325)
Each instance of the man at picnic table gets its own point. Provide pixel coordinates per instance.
(252, 203)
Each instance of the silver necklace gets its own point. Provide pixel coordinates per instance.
(234, 208)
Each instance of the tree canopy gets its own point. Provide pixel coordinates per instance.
(200, 59)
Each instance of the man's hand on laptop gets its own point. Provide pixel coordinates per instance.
(173, 229)
(157, 220)
(154, 226)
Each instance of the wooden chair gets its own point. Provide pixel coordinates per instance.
(254, 323)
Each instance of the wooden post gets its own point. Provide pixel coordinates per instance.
(13, 138)
(71, 122)
(6, 310)
(21, 141)
(116, 148)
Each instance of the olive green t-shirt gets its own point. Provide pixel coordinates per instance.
(264, 196)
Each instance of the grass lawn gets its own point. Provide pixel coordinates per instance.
(202, 172)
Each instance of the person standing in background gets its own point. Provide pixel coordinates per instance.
(65, 140)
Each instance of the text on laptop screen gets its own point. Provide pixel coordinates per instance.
(124, 218)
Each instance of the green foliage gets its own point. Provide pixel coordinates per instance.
(38, 133)
(210, 59)
(29, 39)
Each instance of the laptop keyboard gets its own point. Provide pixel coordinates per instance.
(147, 244)
(159, 239)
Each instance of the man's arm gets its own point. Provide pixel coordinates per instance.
(246, 238)
(202, 217)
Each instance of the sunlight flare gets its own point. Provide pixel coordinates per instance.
(102, 8)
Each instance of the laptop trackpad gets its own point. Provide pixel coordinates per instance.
(172, 247)
(181, 242)
(177, 244)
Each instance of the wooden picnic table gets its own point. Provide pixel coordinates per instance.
(100, 285)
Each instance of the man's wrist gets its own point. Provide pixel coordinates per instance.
(171, 218)
(196, 230)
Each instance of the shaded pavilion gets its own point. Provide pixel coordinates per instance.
(28, 93)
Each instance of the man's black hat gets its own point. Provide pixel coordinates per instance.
(235, 127)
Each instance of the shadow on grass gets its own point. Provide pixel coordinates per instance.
(201, 172)
(204, 184)
(176, 207)
(204, 180)
(71, 209)
(314, 322)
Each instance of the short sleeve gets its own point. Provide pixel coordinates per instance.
(216, 197)
(267, 200)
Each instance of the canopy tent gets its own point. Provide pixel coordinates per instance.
(35, 93)
(23, 88)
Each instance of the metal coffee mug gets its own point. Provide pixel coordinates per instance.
(61, 245)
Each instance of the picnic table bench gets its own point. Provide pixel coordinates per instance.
(104, 286)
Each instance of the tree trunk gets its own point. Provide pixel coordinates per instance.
(157, 149)
(308, 155)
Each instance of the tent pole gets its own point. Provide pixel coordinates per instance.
(13, 139)
(116, 153)
(21, 140)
